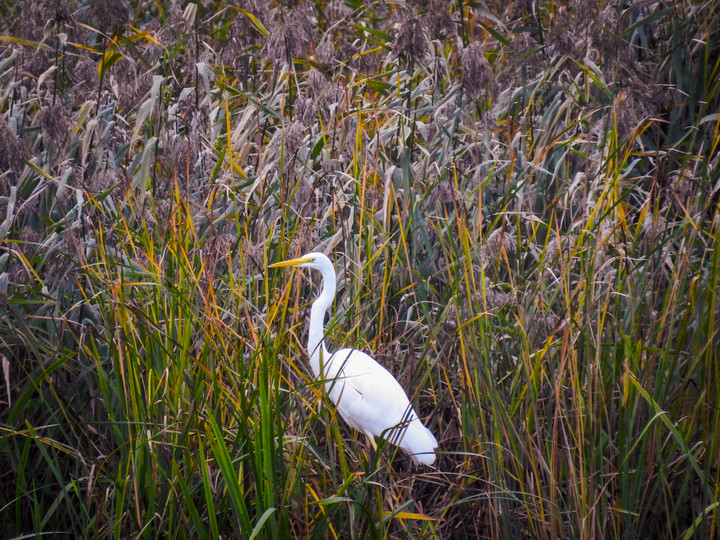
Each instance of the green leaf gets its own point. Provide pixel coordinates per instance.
(259, 26)
(109, 59)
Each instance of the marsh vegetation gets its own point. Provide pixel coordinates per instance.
(522, 203)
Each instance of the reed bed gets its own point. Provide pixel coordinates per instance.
(522, 202)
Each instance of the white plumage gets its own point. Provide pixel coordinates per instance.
(367, 396)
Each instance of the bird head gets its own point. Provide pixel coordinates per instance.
(309, 260)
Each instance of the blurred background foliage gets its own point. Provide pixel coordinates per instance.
(521, 199)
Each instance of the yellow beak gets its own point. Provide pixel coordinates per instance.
(291, 262)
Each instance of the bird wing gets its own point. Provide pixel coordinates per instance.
(367, 396)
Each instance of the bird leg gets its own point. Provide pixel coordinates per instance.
(371, 440)
(372, 455)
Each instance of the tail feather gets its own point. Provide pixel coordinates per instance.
(419, 442)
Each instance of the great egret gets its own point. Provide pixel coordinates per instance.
(367, 396)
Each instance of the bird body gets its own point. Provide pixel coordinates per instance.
(366, 394)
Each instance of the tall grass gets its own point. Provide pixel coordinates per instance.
(522, 205)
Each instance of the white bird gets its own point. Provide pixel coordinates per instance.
(367, 396)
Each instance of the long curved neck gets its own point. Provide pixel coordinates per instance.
(316, 343)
